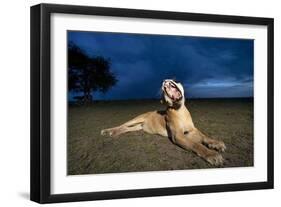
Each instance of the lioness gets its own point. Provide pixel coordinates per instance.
(176, 123)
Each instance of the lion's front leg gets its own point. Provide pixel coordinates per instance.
(212, 143)
(188, 143)
(215, 144)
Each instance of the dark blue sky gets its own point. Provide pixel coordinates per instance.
(207, 67)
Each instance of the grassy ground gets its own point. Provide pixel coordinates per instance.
(89, 152)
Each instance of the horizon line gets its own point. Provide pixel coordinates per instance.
(248, 97)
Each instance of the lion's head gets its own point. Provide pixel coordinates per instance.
(173, 93)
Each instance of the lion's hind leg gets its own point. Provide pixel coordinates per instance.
(116, 131)
(135, 124)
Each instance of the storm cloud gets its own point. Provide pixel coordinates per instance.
(207, 67)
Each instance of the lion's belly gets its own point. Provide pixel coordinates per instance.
(155, 124)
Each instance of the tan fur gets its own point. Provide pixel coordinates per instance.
(176, 123)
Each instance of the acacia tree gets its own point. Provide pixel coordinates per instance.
(88, 74)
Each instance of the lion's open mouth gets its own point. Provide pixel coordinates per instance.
(172, 91)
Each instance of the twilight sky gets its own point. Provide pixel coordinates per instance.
(207, 67)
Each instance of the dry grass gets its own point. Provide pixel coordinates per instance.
(89, 152)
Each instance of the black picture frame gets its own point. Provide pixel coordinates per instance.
(41, 96)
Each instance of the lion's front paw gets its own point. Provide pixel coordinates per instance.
(219, 145)
(215, 159)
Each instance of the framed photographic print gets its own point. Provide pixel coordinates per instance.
(132, 103)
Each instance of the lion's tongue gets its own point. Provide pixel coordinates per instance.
(174, 93)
